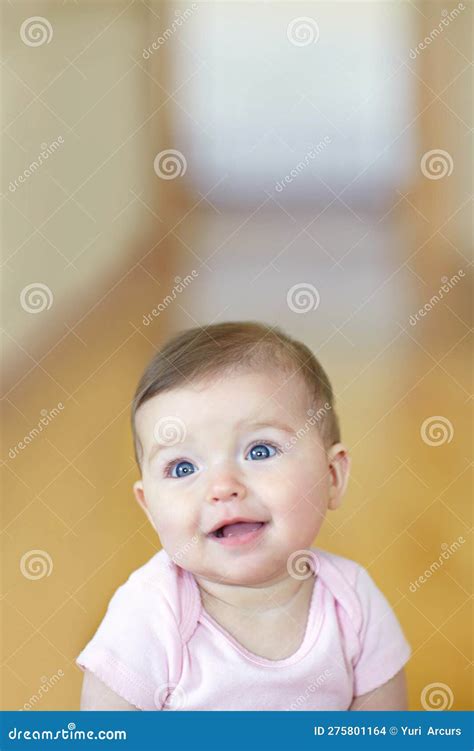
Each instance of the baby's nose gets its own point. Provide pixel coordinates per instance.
(226, 486)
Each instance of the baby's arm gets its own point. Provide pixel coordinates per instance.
(97, 696)
(391, 696)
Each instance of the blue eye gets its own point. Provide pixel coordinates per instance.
(261, 451)
(181, 469)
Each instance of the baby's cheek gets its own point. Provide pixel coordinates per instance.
(164, 519)
(300, 488)
(175, 525)
(300, 508)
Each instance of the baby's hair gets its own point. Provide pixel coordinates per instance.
(225, 348)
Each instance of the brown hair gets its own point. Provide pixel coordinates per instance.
(229, 347)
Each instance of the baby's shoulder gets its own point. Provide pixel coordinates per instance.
(347, 581)
(138, 645)
(156, 595)
(336, 566)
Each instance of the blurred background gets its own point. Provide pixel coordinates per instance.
(168, 165)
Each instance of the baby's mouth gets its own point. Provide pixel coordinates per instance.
(238, 533)
(237, 529)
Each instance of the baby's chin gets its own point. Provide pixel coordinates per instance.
(238, 578)
(254, 568)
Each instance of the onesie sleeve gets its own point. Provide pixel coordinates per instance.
(383, 648)
(136, 649)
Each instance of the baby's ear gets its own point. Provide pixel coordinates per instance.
(139, 494)
(339, 469)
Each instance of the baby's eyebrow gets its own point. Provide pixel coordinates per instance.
(256, 425)
(155, 449)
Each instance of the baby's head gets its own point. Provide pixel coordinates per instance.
(236, 421)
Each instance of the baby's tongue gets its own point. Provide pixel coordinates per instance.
(240, 528)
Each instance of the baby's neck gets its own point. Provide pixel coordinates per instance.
(269, 620)
(256, 599)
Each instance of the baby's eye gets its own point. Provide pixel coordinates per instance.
(180, 469)
(261, 451)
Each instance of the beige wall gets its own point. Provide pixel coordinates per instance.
(77, 220)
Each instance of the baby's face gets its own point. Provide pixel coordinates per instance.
(220, 451)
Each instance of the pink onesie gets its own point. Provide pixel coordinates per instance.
(159, 649)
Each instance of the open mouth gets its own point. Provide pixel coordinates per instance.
(238, 532)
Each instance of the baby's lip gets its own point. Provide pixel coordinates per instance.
(233, 520)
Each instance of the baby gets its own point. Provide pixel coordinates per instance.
(238, 446)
